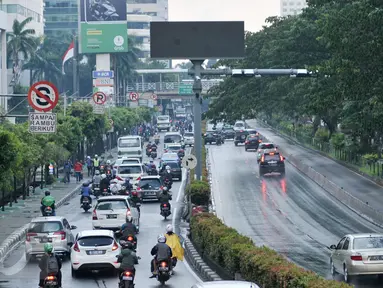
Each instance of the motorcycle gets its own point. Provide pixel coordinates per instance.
(86, 204)
(163, 272)
(153, 171)
(157, 139)
(168, 184)
(218, 141)
(153, 155)
(96, 190)
(108, 173)
(106, 193)
(165, 210)
(50, 282)
(48, 211)
(131, 240)
(148, 151)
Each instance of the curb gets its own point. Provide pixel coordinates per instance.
(356, 205)
(195, 260)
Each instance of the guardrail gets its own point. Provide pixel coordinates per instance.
(169, 86)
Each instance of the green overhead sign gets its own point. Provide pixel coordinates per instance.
(185, 89)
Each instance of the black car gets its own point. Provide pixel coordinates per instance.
(272, 162)
(252, 142)
(175, 169)
(240, 137)
(228, 132)
(210, 137)
(252, 131)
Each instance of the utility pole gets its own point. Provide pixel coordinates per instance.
(75, 56)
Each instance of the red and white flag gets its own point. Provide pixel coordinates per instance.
(68, 55)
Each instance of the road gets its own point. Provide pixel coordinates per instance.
(152, 224)
(293, 216)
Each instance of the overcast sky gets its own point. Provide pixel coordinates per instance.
(253, 12)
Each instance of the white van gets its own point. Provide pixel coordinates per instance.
(239, 125)
(163, 122)
(130, 146)
(173, 137)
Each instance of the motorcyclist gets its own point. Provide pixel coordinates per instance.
(190, 128)
(128, 185)
(48, 201)
(173, 241)
(104, 183)
(167, 175)
(128, 258)
(165, 198)
(115, 186)
(96, 163)
(50, 265)
(161, 252)
(135, 199)
(129, 229)
(85, 192)
(108, 166)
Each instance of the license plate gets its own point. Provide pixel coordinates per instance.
(45, 240)
(96, 252)
(165, 209)
(111, 216)
(127, 278)
(273, 165)
(150, 193)
(163, 268)
(85, 201)
(51, 283)
(376, 258)
(243, 136)
(97, 189)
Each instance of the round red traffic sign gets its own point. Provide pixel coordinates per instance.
(99, 98)
(43, 96)
(133, 96)
(154, 96)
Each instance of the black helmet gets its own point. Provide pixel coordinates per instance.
(126, 244)
(85, 184)
(47, 193)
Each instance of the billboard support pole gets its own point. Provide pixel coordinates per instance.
(75, 65)
(197, 89)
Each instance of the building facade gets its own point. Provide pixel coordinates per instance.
(61, 16)
(139, 31)
(3, 58)
(292, 7)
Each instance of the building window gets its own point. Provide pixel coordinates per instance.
(284, 4)
(284, 10)
(142, 1)
(138, 25)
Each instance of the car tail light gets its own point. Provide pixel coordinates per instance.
(62, 233)
(182, 150)
(356, 258)
(94, 215)
(263, 158)
(162, 187)
(241, 131)
(119, 178)
(247, 142)
(76, 248)
(105, 190)
(138, 189)
(260, 141)
(139, 178)
(115, 246)
(29, 235)
(281, 157)
(128, 213)
(127, 273)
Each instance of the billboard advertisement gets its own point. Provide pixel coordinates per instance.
(103, 26)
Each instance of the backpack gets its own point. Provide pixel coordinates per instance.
(52, 265)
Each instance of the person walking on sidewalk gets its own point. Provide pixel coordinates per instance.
(89, 166)
(67, 170)
(78, 170)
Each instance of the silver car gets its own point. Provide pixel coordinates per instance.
(263, 147)
(357, 254)
(225, 284)
(149, 187)
(53, 229)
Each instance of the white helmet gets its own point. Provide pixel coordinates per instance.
(165, 188)
(161, 238)
(129, 218)
(114, 181)
(108, 162)
(97, 172)
(95, 156)
(167, 167)
(169, 228)
(88, 157)
(103, 176)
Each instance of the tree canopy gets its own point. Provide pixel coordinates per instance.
(342, 40)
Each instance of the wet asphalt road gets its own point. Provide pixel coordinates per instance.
(21, 274)
(293, 216)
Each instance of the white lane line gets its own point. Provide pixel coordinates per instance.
(174, 217)
(182, 185)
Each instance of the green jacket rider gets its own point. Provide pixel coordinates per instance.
(127, 257)
(48, 201)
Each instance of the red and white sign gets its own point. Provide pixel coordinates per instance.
(43, 96)
(154, 96)
(99, 98)
(133, 96)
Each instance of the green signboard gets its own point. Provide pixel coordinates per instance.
(103, 38)
(185, 89)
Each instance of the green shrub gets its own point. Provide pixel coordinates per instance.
(322, 135)
(199, 191)
(238, 254)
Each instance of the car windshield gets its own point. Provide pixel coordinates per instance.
(95, 241)
(172, 139)
(368, 243)
(111, 205)
(252, 137)
(45, 227)
(129, 142)
(174, 148)
(267, 146)
(239, 125)
(130, 161)
(272, 157)
(173, 165)
(150, 184)
(163, 118)
(226, 129)
(129, 170)
(189, 135)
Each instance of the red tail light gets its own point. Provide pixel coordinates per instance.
(260, 141)
(115, 246)
(139, 178)
(50, 278)
(119, 178)
(127, 273)
(281, 157)
(247, 142)
(263, 158)
(105, 190)
(128, 213)
(130, 239)
(356, 258)
(94, 215)
(162, 187)
(62, 233)
(165, 205)
(164, 264)
(182, 151)
(29, 235)
(76, 248)
(138, 188)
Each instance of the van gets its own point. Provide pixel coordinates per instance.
(130, 146)
(163, 122)
(173, 137)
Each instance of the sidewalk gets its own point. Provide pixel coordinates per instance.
(22, 212)
(355, 184)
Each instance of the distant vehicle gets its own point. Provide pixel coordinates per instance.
(94, 250)
(149, 187)
(173, 137)
(110, 212)
(175, 169)
(252, 142)
(265, 146)
(357, 255)
(272, 162)
(126, 160)
(130, 146)
(189, 138)
(52, 229)
(169, 157)
(240, 137)
(228, 132)
(163, 122)
(209, 137)
(225, 284)
(239, 125)
(252, 131)
(132, 171)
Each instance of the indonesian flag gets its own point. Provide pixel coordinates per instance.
(68, 55)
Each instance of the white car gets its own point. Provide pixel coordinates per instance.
(239, 125)
(110, 212)
(52, 229)
(94, 250)
(189, 138)
(225, 284)
(132, 171)
(126, 160)
(173, 148)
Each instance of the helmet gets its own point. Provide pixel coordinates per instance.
(97, 172)
(161, 238)
(108, 162)
(169, 228)
(129, 219)
(151, 161)
(87, 157)
(95, 156)
(103, 176)
(47, 193)
(48, 248)
(165, 189)
(126, 244)
(134, 193)
(85, 184)
(167, 167)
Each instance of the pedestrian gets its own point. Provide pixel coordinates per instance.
(89, 166)
(67, 170)
(78, 170)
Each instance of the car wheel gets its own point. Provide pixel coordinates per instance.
(235, 143)
(245, 149)
(28, 257)
(346, 277)
(75, 273)
(332, 269)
